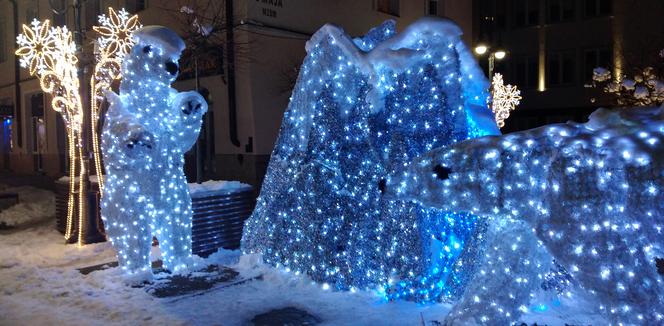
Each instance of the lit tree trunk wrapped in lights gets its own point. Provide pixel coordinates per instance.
(50, 54)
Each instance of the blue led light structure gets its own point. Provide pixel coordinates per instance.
(360, 109)
(589, 195)
(148, 128)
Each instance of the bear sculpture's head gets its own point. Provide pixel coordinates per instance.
(155, 55)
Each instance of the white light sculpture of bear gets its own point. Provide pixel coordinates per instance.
(148, 128)
(592, 194)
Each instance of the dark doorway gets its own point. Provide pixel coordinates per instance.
(38, 130)
(6, 140)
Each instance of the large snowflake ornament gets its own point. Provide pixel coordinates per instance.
(505, 98)
(50, 54)
(115, 32)
(37, 48)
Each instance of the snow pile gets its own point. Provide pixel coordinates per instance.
(217, 186)
(34, 205)
(39, 285)
(592, 194)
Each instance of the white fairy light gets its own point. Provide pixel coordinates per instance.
(146, 192)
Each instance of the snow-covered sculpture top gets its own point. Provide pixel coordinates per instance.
(593, 193)
(147, 129)
(361, 108)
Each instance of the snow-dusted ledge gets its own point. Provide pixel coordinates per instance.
(65, 179)
(221, 186)
(217, 186)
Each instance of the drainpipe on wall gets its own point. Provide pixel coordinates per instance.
(17, 84)
(230, 57)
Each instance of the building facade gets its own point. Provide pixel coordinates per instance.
(268, 39)
(554, 45)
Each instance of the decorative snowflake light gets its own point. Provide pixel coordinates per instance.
(505, 99)
(114, 42)
(115, 30)
(37, 47)
(50, 54)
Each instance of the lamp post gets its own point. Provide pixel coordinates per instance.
(498, 54)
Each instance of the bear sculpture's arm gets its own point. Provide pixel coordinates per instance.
(126, 142)
(189, 108)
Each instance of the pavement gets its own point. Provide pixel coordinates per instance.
(13, 179)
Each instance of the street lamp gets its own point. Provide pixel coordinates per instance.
(499, 54)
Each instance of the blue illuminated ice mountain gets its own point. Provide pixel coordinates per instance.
(361, 109)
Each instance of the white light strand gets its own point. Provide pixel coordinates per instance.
(148, 128)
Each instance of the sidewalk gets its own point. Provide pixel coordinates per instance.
(12, 179)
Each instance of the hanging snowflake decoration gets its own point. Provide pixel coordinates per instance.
(505, 98)
(37, 47)
(115, 30)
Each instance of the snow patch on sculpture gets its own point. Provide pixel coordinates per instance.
(148, 128)
(592, 194)
(362, 108)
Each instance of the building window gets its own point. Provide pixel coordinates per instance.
(135, 6)
(595, 58)
(526, 13)
(595, 8)
(390, 7)
(561, 69)
(525, 71)
(31, 11)
(433, 7)
(3, 39)
(501, 14)
(60, 19)
(92, 11)
(560, 11)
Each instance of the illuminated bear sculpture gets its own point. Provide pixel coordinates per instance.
(593, 193)
(361, 108)
(148, 128)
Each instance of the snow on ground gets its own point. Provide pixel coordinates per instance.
(39, 285)
(215, 186)
(34, 204)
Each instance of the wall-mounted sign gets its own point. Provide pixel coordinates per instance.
(269, 8)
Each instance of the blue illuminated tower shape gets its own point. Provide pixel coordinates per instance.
(361, 109)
